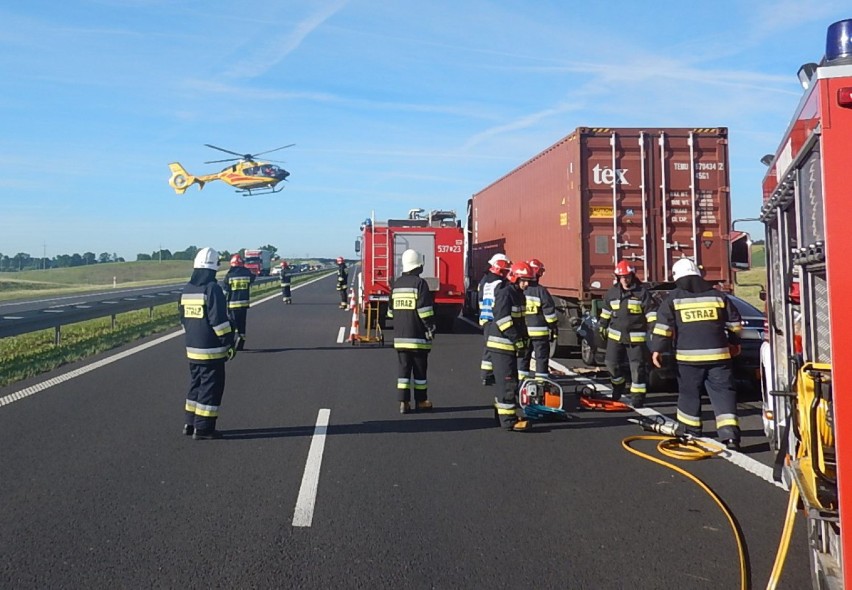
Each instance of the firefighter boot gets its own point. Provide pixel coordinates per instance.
(404, 408)
(488, 380)
(206, 435)
(636, 400)
(188, 429)
(521, 425)
(424, 406)
(732, 444)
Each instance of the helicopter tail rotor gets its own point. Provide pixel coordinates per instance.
(181, 180)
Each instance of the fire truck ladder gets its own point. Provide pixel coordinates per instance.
(380, 252)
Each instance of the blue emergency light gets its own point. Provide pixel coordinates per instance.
(838, 41)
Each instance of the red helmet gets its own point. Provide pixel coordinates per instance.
(500, 266)
(283, 264)
(340, 260)
(623, 269)
(520, 270)
(537, 267)
(236, 260)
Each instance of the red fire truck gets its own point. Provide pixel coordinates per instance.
(806, 374)
(438, 236)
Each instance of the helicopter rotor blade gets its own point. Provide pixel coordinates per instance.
(228, 160)
(224, 150)
(275, 150)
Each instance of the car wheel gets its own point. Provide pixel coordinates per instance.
(587, 353)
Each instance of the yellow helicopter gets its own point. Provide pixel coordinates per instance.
(248, 175)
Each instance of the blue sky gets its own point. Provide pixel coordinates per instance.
(392, 105)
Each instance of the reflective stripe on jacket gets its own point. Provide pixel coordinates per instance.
(700, 326)
(627, 314)
(205, 320)
(413, 315)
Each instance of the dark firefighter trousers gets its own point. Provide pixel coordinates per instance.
(506, 379)
(717, 380)
(342, 292)
(486, 367)
(285, 290)
(412, 371)
(540, 349)
(636, 356)
(238, 317)
(206, 387)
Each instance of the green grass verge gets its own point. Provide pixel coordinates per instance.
(29, 355)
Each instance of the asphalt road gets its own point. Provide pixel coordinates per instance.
(99, 489)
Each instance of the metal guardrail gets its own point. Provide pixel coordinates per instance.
(44, 319)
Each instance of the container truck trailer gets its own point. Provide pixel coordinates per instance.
(438, 236)
(602, 195)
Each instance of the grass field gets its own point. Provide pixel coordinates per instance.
(749, 283)
(31, 354)
(29, 283)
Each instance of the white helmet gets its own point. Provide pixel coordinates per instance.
(685, 267)
(411, 259)
(497, 257)
(207, 258)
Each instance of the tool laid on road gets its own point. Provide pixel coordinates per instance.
(543, 399)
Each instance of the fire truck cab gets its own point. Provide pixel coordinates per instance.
(807, 357)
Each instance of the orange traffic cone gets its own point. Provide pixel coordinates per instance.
(351, 299)
(354, 329)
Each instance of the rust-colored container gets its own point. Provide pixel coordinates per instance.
(598, 196)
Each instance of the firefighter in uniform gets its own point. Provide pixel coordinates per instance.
(238, 293)
(703, 326)
(628, 311)
(414, 326)
(497, 270)
(342, 281)
(541, 320)
(209, 344)
(506, 339)
(284, 277)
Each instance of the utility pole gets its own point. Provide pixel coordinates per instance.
(44, 255)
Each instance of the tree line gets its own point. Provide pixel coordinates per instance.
(23, 261)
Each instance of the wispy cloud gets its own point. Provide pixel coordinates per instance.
(274, 52)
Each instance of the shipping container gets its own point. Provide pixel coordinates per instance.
(598, 196)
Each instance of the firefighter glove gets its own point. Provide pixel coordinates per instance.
(603, 331)
(519, 344)
(735, 349)
(554, 334)
(232, 352)
(430, 334)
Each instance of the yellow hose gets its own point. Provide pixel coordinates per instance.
(693, 451)
(786, 534)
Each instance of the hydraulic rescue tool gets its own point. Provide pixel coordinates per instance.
(543, 399)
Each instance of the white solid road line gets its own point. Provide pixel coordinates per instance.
(740, 460)
(304, 513)
(341, 334)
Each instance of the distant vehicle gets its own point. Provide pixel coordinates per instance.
(258, 262)
(248, 175)
(746, 364)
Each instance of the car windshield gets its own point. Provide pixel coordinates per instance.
(252, 259)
